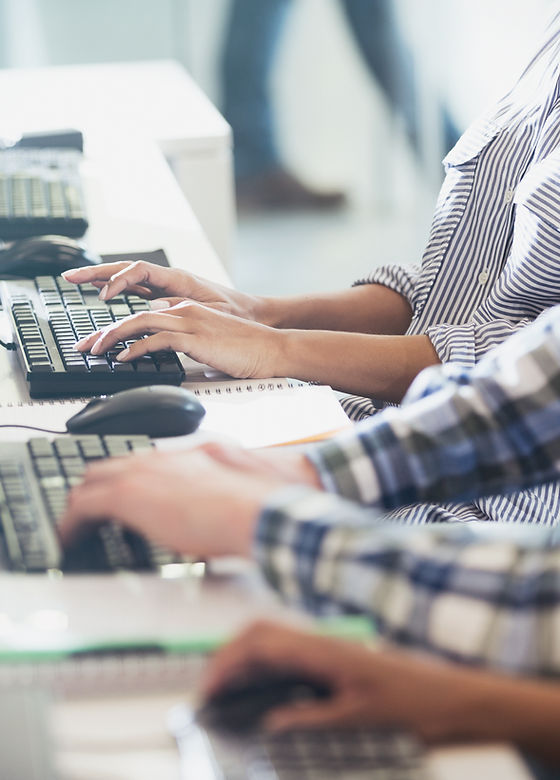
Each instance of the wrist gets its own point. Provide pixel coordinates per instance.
(278, 353)
(238, 537)
(268, 311)
(496, 707)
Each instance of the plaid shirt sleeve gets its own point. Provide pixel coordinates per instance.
(494, 428)
(486, 430)
(452, 590)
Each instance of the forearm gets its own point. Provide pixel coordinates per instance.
(378, 366)
(469, 434)
(503, 709)
(368, 308)
(314, 547)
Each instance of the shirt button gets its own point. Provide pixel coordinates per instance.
(509, 195)
(483, 277)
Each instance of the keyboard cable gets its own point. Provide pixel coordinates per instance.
(11, 346)
(33, 428)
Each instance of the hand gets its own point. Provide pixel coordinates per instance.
(168, 286)
(201, 501)
(388, 687)
(230, 344)
(287, 464)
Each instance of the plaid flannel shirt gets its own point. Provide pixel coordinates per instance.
(484, 592)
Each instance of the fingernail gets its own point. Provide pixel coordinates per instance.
(123, 355)
(96, 349)
(159, 304)
(79, 344)
(103, 293)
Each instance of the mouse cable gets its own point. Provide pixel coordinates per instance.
(9, 346)
(32, 428)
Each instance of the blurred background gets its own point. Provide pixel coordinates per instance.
(356, 103)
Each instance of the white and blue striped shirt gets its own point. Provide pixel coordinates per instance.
(492, 262)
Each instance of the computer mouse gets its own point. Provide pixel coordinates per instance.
(44, 256)
(155, 410)
(241, 705)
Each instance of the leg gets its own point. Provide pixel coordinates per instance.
(375, 28)
(250, 45)
(253, 31)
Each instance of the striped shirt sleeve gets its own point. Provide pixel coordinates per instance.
(400, 279)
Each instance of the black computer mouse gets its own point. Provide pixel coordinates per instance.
(155, 410)
(44, 256)
(241, 705)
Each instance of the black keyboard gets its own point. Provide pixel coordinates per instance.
(35, 477)
(41, 193)
(49, 315)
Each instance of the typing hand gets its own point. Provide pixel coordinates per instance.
(187, 501)
(165, 286)
(230, 344)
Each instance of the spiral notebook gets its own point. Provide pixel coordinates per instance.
(252, 413)
(262, 413)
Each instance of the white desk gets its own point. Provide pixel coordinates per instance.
(154, 100)
(136, 204)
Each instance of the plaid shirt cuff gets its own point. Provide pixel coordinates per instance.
(345, 467)
(289, 542)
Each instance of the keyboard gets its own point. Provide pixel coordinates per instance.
(336, 754)
(48, 315)
(35, 477)
(325, 754)
(41, 193)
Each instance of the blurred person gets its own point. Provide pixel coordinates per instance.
(384, 687)
(489, 269)
(316, 523)
(253, 32)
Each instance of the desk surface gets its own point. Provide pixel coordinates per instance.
(135, 204)
(154, 99)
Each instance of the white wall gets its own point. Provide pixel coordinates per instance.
(474, 49)
(330, 114)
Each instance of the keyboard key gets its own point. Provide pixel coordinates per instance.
(41, 367)
(11, 540)
(47, 466)
(98, 364)
(92, 448)
(41, 447)
(145, 364)
(72, 466)
(66, 447)
(122, 368)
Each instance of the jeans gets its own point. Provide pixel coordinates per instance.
(250, 45)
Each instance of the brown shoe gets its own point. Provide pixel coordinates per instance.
(279, 190)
